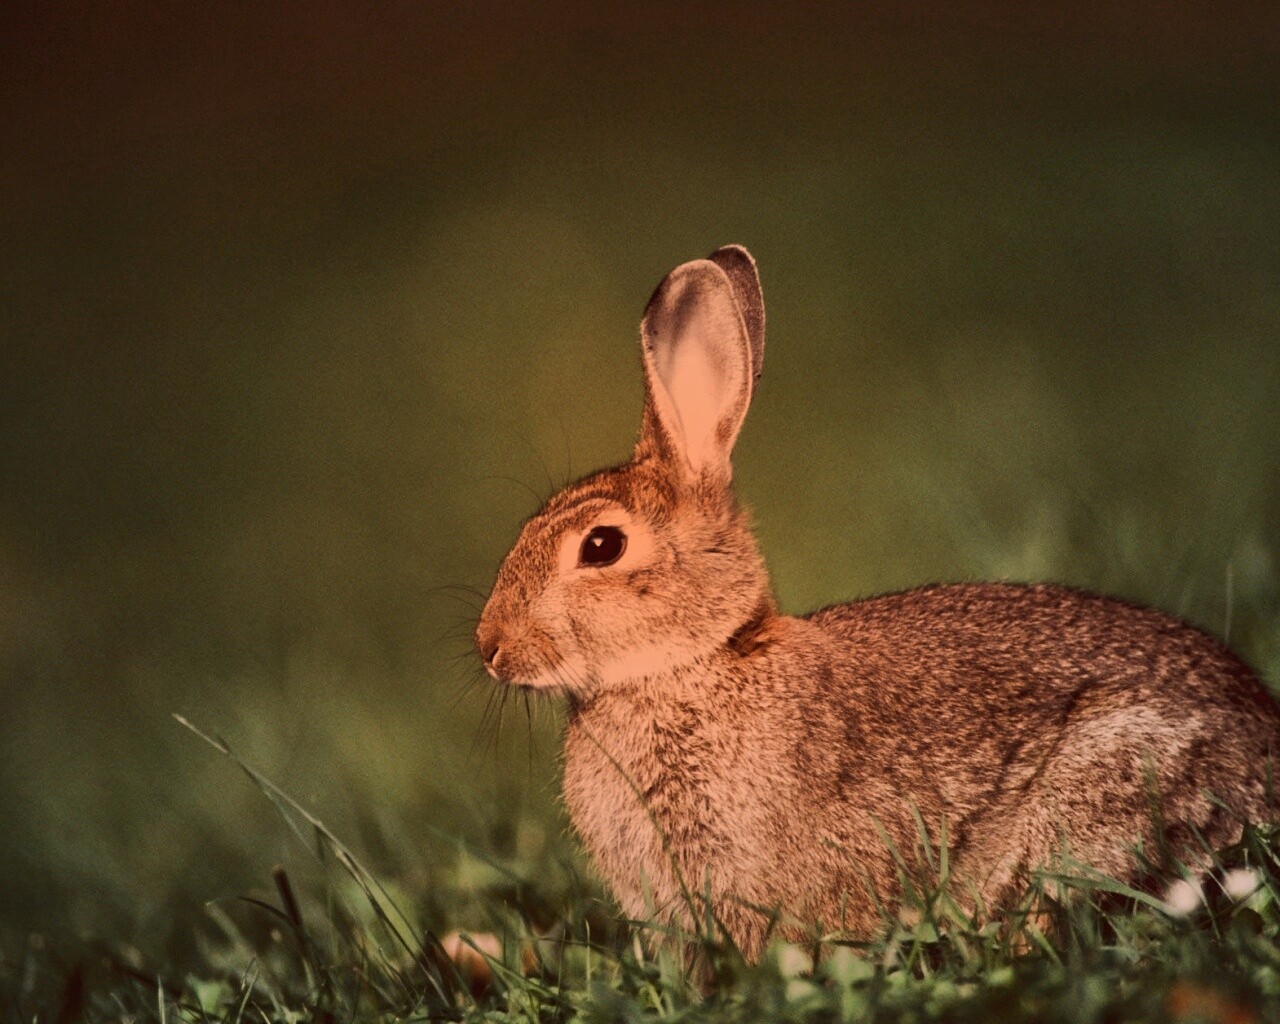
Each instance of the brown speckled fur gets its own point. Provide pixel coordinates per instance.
(714, 744)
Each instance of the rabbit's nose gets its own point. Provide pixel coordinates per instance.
(487, 637)
(490, 656)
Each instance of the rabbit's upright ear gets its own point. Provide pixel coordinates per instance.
(698, 370)
(739, 265)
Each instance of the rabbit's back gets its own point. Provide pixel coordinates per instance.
(1037, 719)
(1019, 659)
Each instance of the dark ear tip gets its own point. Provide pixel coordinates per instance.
(694, 273)
(733, 253)
(740, 266)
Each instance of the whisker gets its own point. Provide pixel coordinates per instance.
(546, 469)
(468, 688)
(513, 480)
(474, 605)
(568, 450)
(528, 716)
(467, 588)
(463, 630)
(490, 720)
(466, 626)
(502, 707)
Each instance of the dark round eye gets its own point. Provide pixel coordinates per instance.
(602, 546)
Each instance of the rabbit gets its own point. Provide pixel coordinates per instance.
(718, 749)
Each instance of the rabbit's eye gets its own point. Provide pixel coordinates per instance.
(602, 546)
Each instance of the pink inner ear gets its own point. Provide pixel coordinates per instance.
(698, 351)
(696, 382)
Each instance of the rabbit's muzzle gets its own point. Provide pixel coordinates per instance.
(489, 644)
(518, 652)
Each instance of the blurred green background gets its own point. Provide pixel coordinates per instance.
(305, 307)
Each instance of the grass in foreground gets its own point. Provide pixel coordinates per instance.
(353, 950)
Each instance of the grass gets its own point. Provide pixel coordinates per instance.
(354, 947)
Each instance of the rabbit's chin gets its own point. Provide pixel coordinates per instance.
(567, 677)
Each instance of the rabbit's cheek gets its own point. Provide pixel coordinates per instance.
(553, 614)
(534, 658)
(644, 661)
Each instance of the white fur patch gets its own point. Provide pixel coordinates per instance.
(644, 661)
(1183, 897)
(1241, 883)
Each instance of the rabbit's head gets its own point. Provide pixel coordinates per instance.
(638, 569)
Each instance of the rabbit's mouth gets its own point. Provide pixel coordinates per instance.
(561, 679)
(529, 660)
